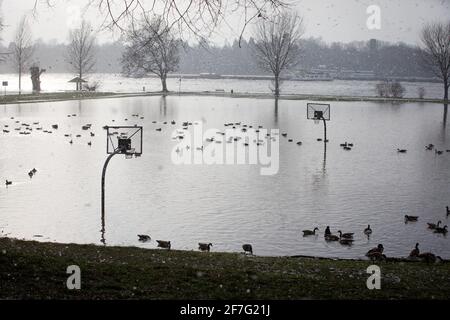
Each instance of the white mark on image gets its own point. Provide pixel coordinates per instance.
(74, 280)
(374, 281)
(374, 19)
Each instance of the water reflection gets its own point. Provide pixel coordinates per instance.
(445, 114)
(163, 106)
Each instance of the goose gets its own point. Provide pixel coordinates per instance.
(30, 174)
(144, 237)
(205, 246)
(429, 257)
(159, 129)
(71, 141)
(345, 235)
(89, 143)
(376, 256)
(290, 140)
(247, 249)
(448, 211)
(92, 134)
(331, 237)
(344, 144)
(346, 241)
(299, 143)
(55, 126)
(5, 131)
(8, 183)
(309, 232)
(411, 218)
(415, 252)
(439, 152)
(433, 226)
(164, 244)
(368, 230)
(402, 150)
(284, 135)
(378, 249)
(327, 231)
(441, 230)
(319, 139)
(429, 148)
(34, 170)
(173, 122)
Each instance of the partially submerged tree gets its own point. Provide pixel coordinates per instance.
(80, 53)
(22, 49)
(277, 45)
(436, 52)
(151, 48)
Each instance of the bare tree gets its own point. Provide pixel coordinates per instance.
(200, 17)
(277, 45)
(80, 53)
(436, 39)
(23, 49)
(151, 48)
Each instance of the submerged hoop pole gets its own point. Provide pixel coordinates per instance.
(105, 166)
(324, 130)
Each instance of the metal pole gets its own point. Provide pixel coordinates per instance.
(325, 130)
(105, 166)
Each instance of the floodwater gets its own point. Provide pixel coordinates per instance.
(228, 205)
(52, 82)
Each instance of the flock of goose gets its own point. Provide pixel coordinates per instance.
(204, 247)
(377, 252)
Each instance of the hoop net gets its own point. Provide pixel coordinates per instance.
(316, 121)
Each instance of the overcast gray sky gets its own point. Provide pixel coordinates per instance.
(332, 20)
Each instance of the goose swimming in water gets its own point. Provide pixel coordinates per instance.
(345, 235)
(402, 150)
(309, 232)
(368, 230)
(441, 230)
(8, 183)
(144, 238)
(433, 226)
(411, 218)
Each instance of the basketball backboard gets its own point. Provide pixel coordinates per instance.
(318, 111)
(125, 140)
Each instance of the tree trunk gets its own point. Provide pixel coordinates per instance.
(277, 86)
(164, 83)
(20, 80)
(446, 90)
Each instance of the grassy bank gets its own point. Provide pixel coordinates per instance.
(65, 96)
(38, 271)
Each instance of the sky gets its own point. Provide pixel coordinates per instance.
(331, 20)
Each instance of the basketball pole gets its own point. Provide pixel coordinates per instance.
(105, 166)
(324, 130)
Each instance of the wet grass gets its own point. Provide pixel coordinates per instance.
(33, 270)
